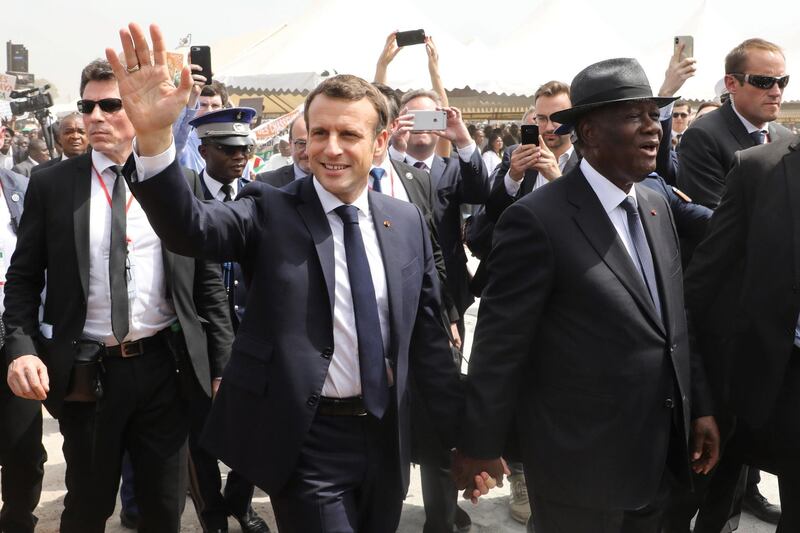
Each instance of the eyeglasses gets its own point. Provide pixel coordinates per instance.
(542, 120)
(107, 105)
(231, 151)
(300, 144)
(680, 115)
(762, 82)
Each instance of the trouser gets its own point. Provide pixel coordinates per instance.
(346, 479)
(142, 412)
(22, 458)
(204, 476)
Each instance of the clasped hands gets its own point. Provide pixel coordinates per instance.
(476, 477)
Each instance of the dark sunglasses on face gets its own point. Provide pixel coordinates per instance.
(680, 115)
(107, 105)
(231, 151)
(762, 82)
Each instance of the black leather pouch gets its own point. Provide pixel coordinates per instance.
(85, 380)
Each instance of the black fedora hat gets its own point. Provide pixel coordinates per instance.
(606, 82)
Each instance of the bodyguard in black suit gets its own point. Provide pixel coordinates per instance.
(105, 355)
(755, 77)
(225, 147)
(582, 328)
(22, 455)
(757, 225)
(343, 306)
(298, 137)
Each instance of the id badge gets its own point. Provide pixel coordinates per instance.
(130, 270)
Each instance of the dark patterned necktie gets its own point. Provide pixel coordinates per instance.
(421, 165)
(642, 250)
(374, 383)
(117, 259)
(227, 189)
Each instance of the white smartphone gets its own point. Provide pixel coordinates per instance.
(426, 120)
(688, 45)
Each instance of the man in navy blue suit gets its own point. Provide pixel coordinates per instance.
(343, 305)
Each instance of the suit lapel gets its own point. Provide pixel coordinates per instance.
(13, 196)
(393, 261)
(736, 127)
(601, 234)
(410, 184)
(81, 203)
(316, 221)
(791, 168)
(654, 220)
(437, 169)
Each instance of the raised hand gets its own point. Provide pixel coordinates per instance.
(678, 71)
(390, 50)
(151, 100)
(456, 131)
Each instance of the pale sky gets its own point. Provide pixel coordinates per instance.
(522, 42)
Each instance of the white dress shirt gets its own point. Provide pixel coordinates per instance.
(344, 374)
(749, 126)
(215, 187)
(611, 197)
(513, 186)
(149, 308)
(391, 183)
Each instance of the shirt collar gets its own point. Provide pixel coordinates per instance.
(298, 172)
(101, 162)
(563, 158)
(214, 186)
(747, 124)
(330, 202)
(610, 195)
(429, 161)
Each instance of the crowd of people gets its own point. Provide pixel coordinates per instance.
(636, 359)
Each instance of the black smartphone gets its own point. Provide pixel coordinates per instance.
(529, 134)
(201, 55)
(406, 38)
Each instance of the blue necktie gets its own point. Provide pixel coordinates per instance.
(642, 251)
(374, 383)
(759, 136)
(377, 173)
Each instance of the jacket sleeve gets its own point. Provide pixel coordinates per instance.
(474, 183)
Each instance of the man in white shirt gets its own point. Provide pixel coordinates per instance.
(121, 316)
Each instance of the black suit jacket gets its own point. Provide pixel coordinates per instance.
(278, 177)
(569, 348)
(53, 240)
(47, 164)
(16, 414)
(24, 168)
(282, 240)
(753, 251)
(456, 182)
(499, 199)
(707, 153)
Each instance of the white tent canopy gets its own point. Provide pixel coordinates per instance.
(502, 50)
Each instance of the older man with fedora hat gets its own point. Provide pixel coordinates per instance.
(581, 348)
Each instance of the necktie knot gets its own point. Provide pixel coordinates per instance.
(759, 136)
(227, 190)
(117, 170)
(377, 173)
(348, 213)
(421, 165)
(629, 205)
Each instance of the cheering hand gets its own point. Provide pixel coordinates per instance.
(151, 100)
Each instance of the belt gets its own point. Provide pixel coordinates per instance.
(137, 347)
(341, 406)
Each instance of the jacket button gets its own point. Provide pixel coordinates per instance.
(236, 283)
(312, 400)
(669, 403)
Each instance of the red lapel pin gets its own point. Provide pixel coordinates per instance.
(387, 224)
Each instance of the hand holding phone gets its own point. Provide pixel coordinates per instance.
(201, 55)
(407, 38)
(529, 134)
(688, 45)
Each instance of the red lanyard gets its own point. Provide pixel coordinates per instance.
(105, 190)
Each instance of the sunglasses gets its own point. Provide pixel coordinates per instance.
(680, 115)
(233, 150)
(107, 105)
(762, 82)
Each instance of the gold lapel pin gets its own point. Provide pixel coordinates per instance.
(653, 212)
(387, 224)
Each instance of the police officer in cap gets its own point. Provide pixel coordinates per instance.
(226, 145)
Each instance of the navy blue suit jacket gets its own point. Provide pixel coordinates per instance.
(280, 359)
